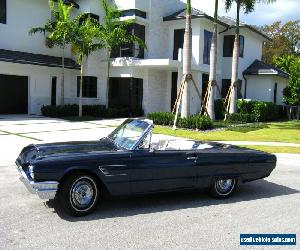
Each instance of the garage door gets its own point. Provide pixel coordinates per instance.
(13, 94)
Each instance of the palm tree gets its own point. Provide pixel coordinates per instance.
(58, 33)
(213, 66)
(183, 96)
(248, 6)
(187, 61)
(85, 40)
(114, 32)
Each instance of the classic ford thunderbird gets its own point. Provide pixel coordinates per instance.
(130, 162)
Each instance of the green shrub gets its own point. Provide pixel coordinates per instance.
(90, 110)
(261, 111)
(192, 122)
(162, 118)
(60, 111)
(241, 118)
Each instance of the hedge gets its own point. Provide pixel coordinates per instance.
(89, 110)
(261, 111)
(241, 118)
(192, 122)
(251, 111)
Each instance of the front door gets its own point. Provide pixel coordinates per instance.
(125, 93)
(162, 171)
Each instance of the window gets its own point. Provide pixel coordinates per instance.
(134, 12)
(89, 86)
(275, 92)
(229, 44)
(131, 50)
(226, 85)
(178, 42)
(207, 45)
(3, 11)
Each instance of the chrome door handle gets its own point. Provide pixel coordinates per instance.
(192, 158)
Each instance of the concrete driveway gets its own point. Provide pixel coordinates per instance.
(170, 221)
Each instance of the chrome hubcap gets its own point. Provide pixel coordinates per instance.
(225, 186)
(82, 194)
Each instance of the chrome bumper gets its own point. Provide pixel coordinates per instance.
(46, 190)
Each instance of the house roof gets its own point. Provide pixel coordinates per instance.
(225, 21)
(35, 59)
(182, 14)
(261, 68)
(231, 23)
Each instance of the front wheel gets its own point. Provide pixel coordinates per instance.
(79, 194)
(223, 187)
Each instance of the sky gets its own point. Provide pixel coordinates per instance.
(284, 10)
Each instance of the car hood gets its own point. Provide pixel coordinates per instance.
(35, 152)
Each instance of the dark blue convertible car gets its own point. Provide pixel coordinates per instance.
(130, 162)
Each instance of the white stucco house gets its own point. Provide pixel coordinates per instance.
(30, 73)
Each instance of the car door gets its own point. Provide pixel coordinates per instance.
(211, 164)
(162, 170)
(115, 172)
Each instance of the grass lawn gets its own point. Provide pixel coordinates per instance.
(271, 149)
(274, 132)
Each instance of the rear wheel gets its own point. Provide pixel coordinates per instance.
(223, 187)
(79, 194)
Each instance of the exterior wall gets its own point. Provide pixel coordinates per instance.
(195, 101)
(252, 51)
(261, 88)
(133, 4)
(157, 91)
(157, 30)
(21, 16)
(282, 83)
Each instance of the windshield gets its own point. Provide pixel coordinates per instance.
(129, 133)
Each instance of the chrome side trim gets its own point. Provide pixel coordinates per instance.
(46, 190)
(108, 174)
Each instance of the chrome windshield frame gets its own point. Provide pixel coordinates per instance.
(144, 134)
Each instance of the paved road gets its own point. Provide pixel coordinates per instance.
(173, 221)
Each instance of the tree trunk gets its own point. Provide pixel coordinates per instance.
(235, 63)
(108, 76)
(187, 61)
(213, 66)
(80, 89)
(62, 98)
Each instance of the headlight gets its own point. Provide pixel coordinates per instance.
(31, 173)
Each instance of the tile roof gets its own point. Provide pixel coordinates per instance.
(261, 68)
(182, 13)
(35, 59)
